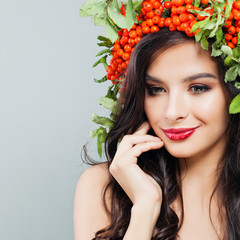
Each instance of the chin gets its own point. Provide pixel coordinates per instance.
(179, 152)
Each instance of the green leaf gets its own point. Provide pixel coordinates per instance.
(104, 79)
(204, 43)
(103, 51)
(103, 39)
(196, 3)
(239, 38)
(219, 21)
(101, 60)
(130, 15)
(227, 50)
(237, 85)
(100, 21)
(201, 13)
(101, 120)
(228, 61)
(231, 73)
(219, 35)
(215, 50)
(114, 13)
(198, 36)
(228, 8)
(236, 52)
(108, 103)
(235, 105)
(101, 134)
(210, 25)
(111, 32)
(200, 24)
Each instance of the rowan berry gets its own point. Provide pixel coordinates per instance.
(147, 6)
(234, 10)
(124, 65)
(178, 3)
(115, 47)
(161, 23)
(137, 39)
(154, 29)
(237, 29)
(150, 14)
(172, 27)
(157, 12)
(145, 30)
(156, 20)
(236, 4)
(131, 42)
(125, 32)
(132, 34)
(156, 4)
(181, 9)
(184, 25)
(228, 24)
(125, 56)
(188, 7)
(228, 36)
(191, 17)
(183, 17)
(231, 45)
(200, 18)
(188, 31)
(237, 15)
(188, 1)
(176, 21)
(168, 4)
(231, 30)
(119, 61)
(150, 22)
(120, 52)
(127, 48)
(174, 10)
(168, 21)
(234, 40)
(203, 2)
(230, 16)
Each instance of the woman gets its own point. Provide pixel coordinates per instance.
(175, 174)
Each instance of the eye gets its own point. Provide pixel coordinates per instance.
(152, 91)
(198, 89)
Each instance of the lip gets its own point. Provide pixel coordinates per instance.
(177, 134)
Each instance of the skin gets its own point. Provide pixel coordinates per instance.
(174, 105)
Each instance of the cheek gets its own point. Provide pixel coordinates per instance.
(152, 110)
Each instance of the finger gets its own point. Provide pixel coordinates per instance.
(129, 141)
(143, 129)
(137, 150)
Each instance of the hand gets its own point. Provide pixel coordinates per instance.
(139, 186)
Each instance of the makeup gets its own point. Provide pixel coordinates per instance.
(177, 134)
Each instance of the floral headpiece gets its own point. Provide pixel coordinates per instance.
(126, 22)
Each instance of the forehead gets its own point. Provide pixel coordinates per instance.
(182, 60)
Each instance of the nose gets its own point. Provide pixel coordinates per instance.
(177, 106)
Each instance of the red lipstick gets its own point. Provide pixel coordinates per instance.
(179, 133)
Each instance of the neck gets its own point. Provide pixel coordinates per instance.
(200, 172)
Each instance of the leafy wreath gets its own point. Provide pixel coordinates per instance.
(126, 22)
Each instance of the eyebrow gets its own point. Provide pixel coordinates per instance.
(187, 79)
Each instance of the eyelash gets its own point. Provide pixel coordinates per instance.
(199, 89)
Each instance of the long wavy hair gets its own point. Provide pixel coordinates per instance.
(161, 165)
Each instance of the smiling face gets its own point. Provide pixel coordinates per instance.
(185, 101)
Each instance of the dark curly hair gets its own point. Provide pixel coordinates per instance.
(159, 164)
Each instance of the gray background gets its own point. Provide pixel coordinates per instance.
(47, 95)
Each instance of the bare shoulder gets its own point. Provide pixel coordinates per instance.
(89, 212)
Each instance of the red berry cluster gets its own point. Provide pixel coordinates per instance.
(233, 26)
(151, 19)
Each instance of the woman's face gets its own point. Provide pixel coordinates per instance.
(185, 102)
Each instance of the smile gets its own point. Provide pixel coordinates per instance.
(177, 134)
